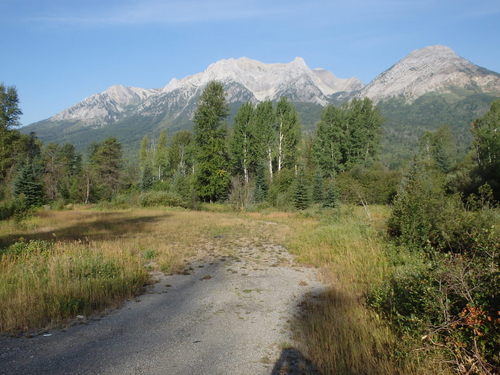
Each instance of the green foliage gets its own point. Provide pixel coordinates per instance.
(23, 249)
(147, 179)
(347, 136)
(28, 185)
(331, 196)
(242, 143)
(261, 185)
(301, 196)
(318, 193)
(287, 130)
(161, 156)
(329, 138)
(439, 147)
(9, 108)
(105, 168)
(486, 132)
(62, 168)
(181, 153)
(7, 209)
(406, 122)
(212, 165)
(282, 189)
(373, 184)
(161, 199)
(144, 151)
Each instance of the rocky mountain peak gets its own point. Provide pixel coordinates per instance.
(430, 69)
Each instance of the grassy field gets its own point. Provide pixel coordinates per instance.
(59, 264)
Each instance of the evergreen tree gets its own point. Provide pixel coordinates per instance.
(105, 166)
(331, 195)
(261, 185)
(301, 192)
(147, 179)
(242, 140)
(318, 187)
(212, 176)
(28, 184)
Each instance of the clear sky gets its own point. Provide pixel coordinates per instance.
(58, 52)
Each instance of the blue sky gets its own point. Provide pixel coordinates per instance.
(58, 52)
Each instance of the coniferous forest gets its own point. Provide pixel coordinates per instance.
(434, 221)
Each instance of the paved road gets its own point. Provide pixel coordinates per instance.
(229, 316)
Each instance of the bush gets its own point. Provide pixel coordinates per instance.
(24, 249)
(374, 185)
(161, 198)
(15, 208)
(450, 298)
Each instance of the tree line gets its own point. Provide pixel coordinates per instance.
(263, 158)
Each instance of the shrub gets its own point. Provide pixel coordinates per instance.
(14, 208)
(27, 248)
(161, 198)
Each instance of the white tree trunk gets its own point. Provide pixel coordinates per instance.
(270, 160)
(280, 157)
(245, 167)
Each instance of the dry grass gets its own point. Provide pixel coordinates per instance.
(337, 331)
(82, 261)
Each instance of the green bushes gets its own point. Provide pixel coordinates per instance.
(161, 198)
(14, 208)
(442, 288)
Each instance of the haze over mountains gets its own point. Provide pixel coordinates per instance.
(415, 81)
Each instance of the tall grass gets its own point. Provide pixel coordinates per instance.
(60, 264)
(337, 330)
(42, 283)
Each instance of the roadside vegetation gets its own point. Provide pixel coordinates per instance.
(411, 255)
(60, 264)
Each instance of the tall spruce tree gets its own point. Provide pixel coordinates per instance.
(261, 185)
(212, 164)
(301, 197)
(105, 167)
(318, 187)
(331, 195)
(28, 183)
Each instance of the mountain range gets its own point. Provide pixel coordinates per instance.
(429, 87)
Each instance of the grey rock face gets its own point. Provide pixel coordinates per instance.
(430, 69)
